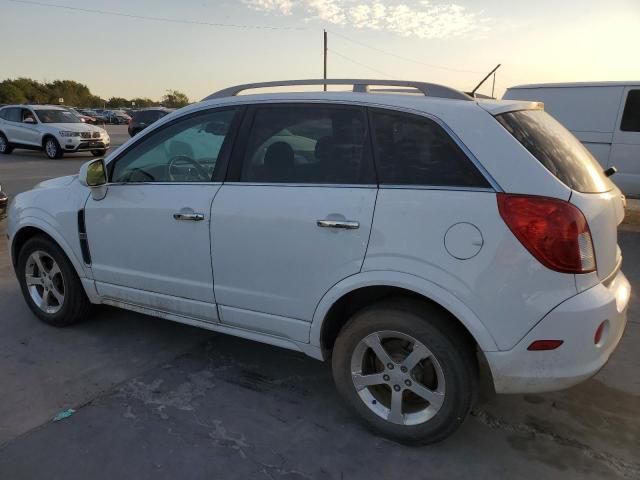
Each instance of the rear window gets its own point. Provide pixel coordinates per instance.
(557, 149)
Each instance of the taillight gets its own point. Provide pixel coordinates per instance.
(554, 231)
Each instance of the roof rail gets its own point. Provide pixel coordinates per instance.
(359, 85)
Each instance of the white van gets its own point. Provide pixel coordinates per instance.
(605, 116)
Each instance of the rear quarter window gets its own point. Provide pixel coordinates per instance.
(557, 149)
(414, 150)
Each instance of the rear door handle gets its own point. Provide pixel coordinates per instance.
(192, 217)
(345, 224)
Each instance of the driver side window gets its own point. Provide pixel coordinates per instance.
(186, 151)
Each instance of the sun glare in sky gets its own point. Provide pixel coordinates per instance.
(144, 47)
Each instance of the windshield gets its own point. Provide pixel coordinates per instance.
(557, 149)
(57, 116)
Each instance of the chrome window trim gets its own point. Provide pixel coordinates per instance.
(115, 184)
(293, 184)
(438, 187)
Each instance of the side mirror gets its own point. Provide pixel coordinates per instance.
(93, 173)
(29, 120)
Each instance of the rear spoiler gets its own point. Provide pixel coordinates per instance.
(504, 106)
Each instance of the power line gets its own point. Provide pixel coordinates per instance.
(401, 57)
(359, 64)
(156, 19)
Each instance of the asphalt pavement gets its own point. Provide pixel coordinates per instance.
(156, 399)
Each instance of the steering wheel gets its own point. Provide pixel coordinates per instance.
(203, 174)
(135, 171)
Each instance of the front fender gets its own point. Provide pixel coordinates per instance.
(406, 281)
(48, 226)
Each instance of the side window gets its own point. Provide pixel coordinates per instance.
(14, 114)
(631, 115)
(186, 151)
(26, 113)
(308, 144)
(413, 150)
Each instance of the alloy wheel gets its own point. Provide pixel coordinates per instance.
(51, 148)
(398, 377)
(45, 282)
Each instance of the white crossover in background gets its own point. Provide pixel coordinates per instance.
(50, 128)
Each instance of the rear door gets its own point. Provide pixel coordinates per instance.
(295, 216)
(625, 150)
(13, 118)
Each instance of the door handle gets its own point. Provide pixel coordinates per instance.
(345, 224)
(193, 217)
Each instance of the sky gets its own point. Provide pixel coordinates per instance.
(200, 46)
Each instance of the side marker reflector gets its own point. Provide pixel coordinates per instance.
(539, 345)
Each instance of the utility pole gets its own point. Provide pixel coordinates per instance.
(325, 60)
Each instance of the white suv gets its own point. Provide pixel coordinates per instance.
(52, 129)
(407, 238)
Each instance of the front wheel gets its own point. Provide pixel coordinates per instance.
(50, 284)
(406, 370)
(98, 153)
(52, 148)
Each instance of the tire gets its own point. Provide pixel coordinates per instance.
(448, 369)
(98, 153)
(73, 305)
(5, 147)
(52, 148)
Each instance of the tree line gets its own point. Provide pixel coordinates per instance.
(27, 90)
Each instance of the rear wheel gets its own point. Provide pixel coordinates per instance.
(52, 148)
(407, 371)
(5, 146)
(50, 284)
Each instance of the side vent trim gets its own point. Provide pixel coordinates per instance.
(84, 242)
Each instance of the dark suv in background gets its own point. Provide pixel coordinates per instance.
(141, 119)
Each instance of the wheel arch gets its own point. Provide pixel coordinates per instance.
(44, 138)
(33, 227)
(358, 291)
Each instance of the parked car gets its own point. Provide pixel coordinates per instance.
(99, 117)
(4, 200)
(141, 119)
(605, 116)
(116, 117)
(401, 236)
(83, 118)
(53, 129)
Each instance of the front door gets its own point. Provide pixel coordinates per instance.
(295, 218)
(149, 236)
(27, 129)
(625, 149)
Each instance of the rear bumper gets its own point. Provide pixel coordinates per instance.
(575, 322)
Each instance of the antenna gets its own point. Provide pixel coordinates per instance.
(473, 92)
